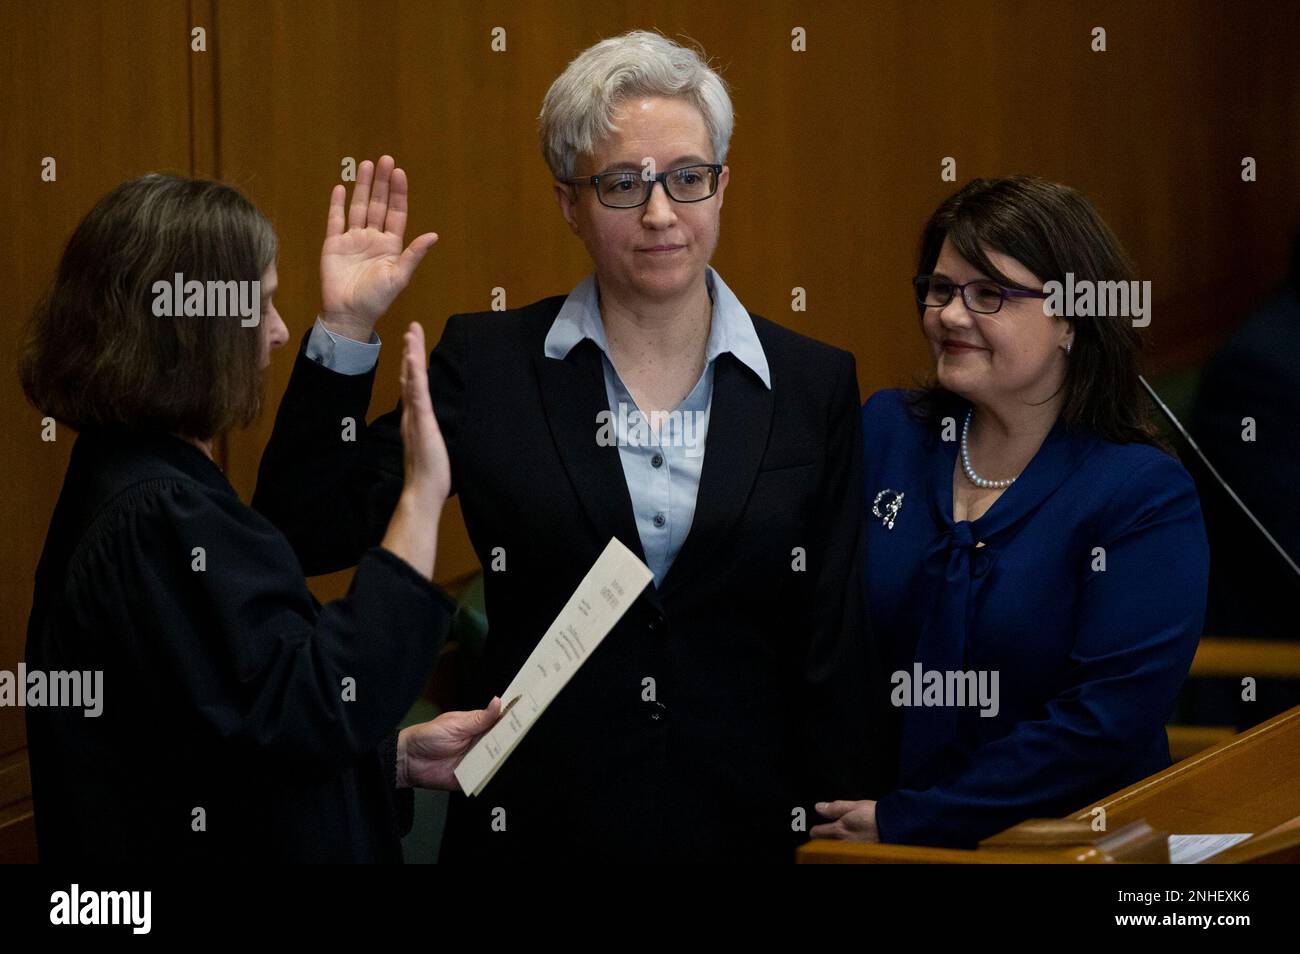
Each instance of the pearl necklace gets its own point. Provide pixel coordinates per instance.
(973, 477)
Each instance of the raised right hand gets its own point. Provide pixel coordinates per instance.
(363, 267)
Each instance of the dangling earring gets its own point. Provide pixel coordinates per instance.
(1068, 346)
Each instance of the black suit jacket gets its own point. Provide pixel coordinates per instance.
(725, 702)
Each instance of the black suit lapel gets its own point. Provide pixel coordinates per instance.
(739, 421)
(573, 394)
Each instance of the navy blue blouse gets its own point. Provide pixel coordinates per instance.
(1082, 589)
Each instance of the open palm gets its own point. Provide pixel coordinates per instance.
(363, 267)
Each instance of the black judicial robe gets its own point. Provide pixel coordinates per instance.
(223, 685)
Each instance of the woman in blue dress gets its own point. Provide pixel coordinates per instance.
(1036, 560)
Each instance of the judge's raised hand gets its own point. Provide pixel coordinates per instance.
(413, 528)
(363, 266)
(427, 754)
(427, 467)
(852, 821)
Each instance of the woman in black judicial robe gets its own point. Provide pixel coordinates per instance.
(238, 718)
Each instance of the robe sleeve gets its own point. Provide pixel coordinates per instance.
(403, 798)
(1139, 623)
(331, 497)
(218, 620)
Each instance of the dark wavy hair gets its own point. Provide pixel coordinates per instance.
(96, 356)
(1051, 230)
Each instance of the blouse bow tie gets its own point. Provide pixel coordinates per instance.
(930, 733)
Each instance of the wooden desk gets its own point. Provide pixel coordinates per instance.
(1248, 783)
(1251, 782)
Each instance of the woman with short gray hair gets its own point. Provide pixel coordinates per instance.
(579, 107)
(647, 404)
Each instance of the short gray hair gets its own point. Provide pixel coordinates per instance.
(579, 106)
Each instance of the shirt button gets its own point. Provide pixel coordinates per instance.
(657, 460)
(659, 520)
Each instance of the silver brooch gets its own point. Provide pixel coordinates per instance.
(894, 505)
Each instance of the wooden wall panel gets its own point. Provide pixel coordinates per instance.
(835, 160)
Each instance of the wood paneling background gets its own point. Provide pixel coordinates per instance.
(835, 166)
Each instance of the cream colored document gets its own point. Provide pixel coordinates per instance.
(612, 584)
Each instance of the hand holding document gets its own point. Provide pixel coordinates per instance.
(609, 588)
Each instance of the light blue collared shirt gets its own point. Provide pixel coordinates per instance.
(662, 469)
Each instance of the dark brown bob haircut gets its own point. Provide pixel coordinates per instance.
(1051, 230)
(96, 355)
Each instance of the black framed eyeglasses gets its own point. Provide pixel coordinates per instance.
(982, 296)
(627, 190)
